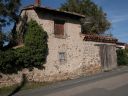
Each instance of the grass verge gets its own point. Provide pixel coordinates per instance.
(4, 91)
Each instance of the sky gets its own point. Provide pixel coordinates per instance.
(117, 13)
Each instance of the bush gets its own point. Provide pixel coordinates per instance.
(29, 58)
(7, 61)
(33, 54)
(35, 36)
(36, 44)
(122, 57)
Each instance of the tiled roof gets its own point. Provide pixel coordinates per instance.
(98, 38)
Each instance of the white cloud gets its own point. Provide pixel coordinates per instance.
(118, 19)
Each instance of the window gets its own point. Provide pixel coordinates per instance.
(59, 28)
(62, 57)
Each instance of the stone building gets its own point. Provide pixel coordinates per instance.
(71, 53)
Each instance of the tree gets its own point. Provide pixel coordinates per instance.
(8, 13)
(95, 21)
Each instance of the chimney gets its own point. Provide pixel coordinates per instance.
(37, 3)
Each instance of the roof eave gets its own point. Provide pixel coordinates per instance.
(32, 7)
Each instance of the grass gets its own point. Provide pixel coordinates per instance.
(7, 90)
(29, 85)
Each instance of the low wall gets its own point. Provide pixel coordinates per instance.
(39, 76)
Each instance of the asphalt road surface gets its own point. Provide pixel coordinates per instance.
(113, 83)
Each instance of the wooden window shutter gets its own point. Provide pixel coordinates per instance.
(59, 28)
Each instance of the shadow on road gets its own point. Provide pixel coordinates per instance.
(18, 88)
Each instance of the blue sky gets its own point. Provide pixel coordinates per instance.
(117, 11)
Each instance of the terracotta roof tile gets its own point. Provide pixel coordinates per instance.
(98, 38)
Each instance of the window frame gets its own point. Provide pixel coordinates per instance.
(62, 57)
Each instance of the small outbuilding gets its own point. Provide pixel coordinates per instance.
(71, 53)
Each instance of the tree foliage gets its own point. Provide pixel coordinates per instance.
(8, 14)
(36, 41)
(35, 36)
(95, 21)
(33, 54)
(9, 11)
(7, 61)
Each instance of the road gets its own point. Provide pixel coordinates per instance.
(113, 83)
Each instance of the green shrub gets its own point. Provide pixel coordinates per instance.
(29, 58)
(7, 61)
(36, 44)
(35, 36)
(122, 57)
(33, 54)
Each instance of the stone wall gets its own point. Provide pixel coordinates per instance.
(82, 57)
